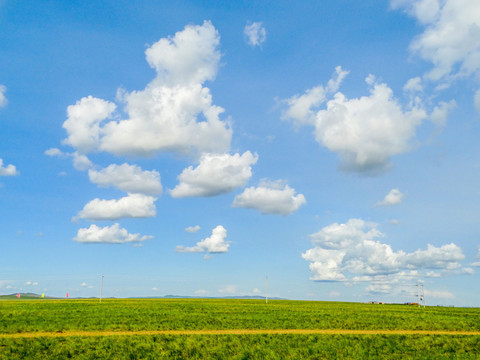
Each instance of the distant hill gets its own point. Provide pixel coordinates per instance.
(32, 296)
(252, 297)
(24, 296)
(239, 297)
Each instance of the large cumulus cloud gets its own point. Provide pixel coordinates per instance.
(365, 132)
(173, 113)
(353, 252)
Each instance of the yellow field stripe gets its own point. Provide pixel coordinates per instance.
(239, 332)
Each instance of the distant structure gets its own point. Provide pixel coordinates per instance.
(420, 294)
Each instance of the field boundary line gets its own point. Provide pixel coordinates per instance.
(237, 332)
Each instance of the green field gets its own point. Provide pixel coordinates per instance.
(132, 315)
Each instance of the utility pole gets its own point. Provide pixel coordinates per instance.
(266, 289)
(101, 290)
(423, 296)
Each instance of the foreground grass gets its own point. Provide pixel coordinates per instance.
(245, 347)
(17, 317)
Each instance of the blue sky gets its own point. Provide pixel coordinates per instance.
(194, 147)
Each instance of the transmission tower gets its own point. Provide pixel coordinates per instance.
(420, 294)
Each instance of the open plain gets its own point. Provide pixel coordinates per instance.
(238, 329)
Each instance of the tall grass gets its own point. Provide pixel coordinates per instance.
(245, 347)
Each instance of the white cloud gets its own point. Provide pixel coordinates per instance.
(191, 56)
(446, 257)
(440, 112)
(201, 292)
(3, 98)
(425, 11)
(128, 178)
(109, 235)
(438, 294)
(256, 291)
(131, 206)
(300, 106)
(84, 284)
(352, 252)
(451, 40)
(192, 229)
(214, 244)
(255, 33)
(365, 132)
(216, 174)
(81, 162)
(270, 197)
(173, 113)
(8, 170)
(476, 101)
(54, 152)
(229, 289)
(167, 121)
(83, 122)
(394, 197)
(413, 85)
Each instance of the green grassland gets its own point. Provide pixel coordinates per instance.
(22, 316)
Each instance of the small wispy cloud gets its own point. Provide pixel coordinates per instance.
(3, 89)
(7, 170)
(394, 197)
(255, 33)
(229, 289)
(192, 229)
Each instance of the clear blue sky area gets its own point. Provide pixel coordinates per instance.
(194, 148)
